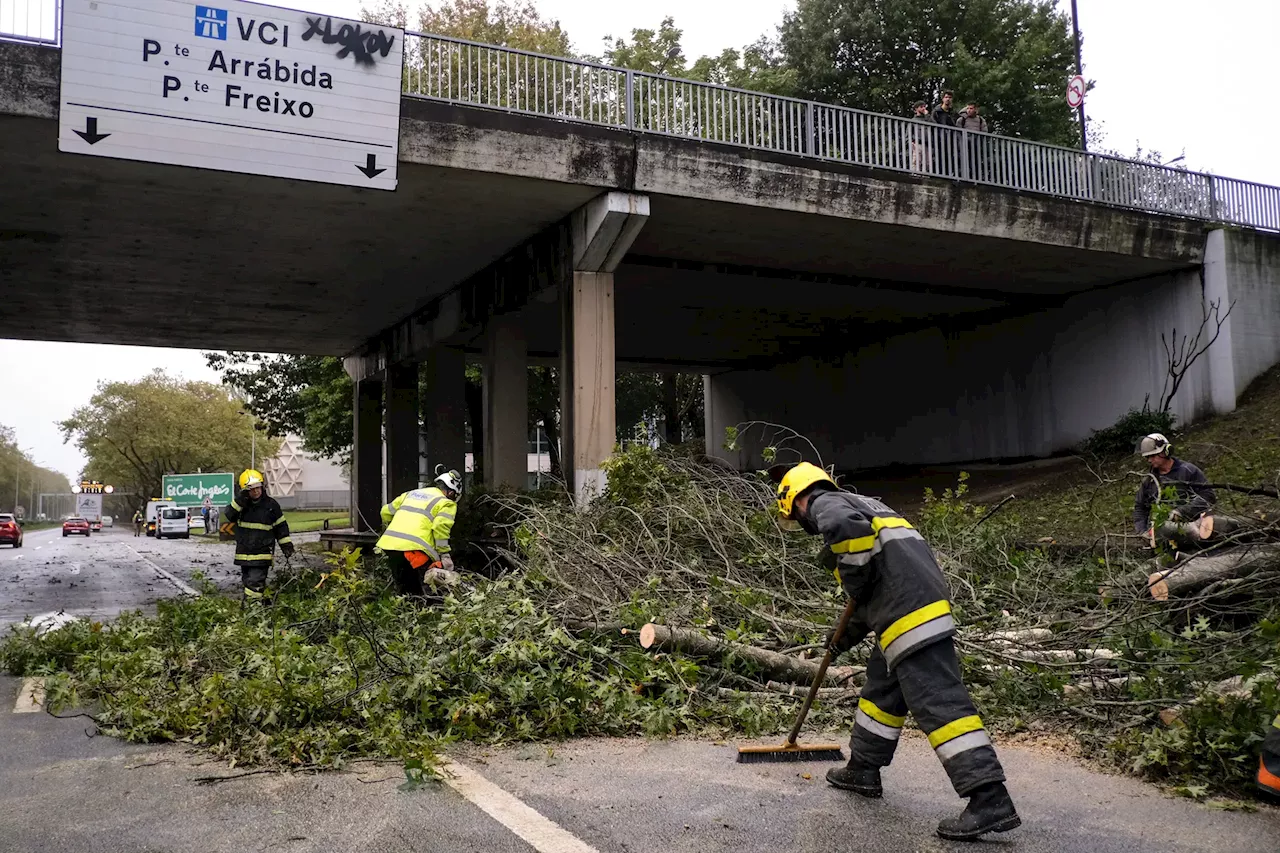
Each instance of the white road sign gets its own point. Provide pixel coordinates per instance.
(233, 86)
(1075, 92)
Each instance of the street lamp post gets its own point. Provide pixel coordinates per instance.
(253, 440)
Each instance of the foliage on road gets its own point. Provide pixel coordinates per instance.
(132, 433)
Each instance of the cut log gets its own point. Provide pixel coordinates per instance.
(775, 666)
(1099, 686)
(1198, 572)
(825, 694)
(1018, 636)
(1063, 655)
(1234, 687)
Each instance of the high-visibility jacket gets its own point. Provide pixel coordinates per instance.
(420, 520)
(887, 567)
(259, 525)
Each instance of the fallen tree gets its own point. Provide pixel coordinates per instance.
(772, 665)
(1197, 571)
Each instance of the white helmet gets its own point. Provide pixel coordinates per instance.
(451, 480)
(1153, 445)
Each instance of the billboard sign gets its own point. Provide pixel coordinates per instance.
(190, 490)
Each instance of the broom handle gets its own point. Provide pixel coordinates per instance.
(822, 671)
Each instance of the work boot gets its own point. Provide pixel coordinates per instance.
(990, 809)
(1268, 778)
(857, 778)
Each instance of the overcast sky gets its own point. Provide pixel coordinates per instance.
(1173, 75)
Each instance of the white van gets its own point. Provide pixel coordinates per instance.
(172, 524)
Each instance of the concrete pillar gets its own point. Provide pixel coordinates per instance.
(722, 408)
(445, 410)
(587, 412)
(366, 455)
(1222, 363)
(402, 428)
(506, 403)
(602, 232)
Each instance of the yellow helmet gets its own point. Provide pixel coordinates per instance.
(251, 478)
(795, 482)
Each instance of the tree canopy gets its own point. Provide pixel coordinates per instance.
(1012, 57)
(133, 433)
(22, 478)
(506, 24)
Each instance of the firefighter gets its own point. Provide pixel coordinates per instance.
(885, 566)
(259, 524)
(416, 538)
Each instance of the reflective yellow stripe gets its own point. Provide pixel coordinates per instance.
(1276, 722)
(953, 730)
(866, 543)
(253, 525)
(869, 708)
(286, 541)
(914, 619)
(253, 556)
(235, 506)
(281, 520)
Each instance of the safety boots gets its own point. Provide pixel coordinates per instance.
(990, 809)
(857, 778)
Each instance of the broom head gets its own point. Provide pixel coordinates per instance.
(790, 752)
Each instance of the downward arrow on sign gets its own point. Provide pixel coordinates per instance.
(370, 168)
(90, 133)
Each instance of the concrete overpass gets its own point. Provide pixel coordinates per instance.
(890, 315)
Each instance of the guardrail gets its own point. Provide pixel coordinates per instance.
(480, 75)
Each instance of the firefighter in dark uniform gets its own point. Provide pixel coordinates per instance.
(885, 565)
(259, 525)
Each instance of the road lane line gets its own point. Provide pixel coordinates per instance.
(166, 575)
(541, 833)
(30, 696)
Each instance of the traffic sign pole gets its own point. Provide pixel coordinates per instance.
(1075, 33)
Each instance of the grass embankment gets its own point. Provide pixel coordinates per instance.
(301, 521)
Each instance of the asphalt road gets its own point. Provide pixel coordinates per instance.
(66, 791)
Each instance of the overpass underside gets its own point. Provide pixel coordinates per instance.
(891, 317)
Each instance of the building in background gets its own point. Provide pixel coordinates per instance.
(299, 481)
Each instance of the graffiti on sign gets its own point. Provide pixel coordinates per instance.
(361, 44)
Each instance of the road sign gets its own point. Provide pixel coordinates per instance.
(237, 87)
(188, 490)
(1075, 91)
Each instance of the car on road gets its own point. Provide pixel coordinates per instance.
(10, 530)
(172, 524)
(78, 526)
(108, 521)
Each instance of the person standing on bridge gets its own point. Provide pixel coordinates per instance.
(920, 161)
(416, 539)
(259, 526)
(885, 566)
(942, 113)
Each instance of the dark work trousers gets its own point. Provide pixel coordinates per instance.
(408, 579)
(926, 684)
(254, 580)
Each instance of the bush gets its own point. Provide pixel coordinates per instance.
(1122, 437)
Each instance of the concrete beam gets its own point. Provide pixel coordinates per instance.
(506, 404)
(367, 365)
(722, 408)
(445, 409)
(604, 229)
(366, 455)
(402, 428)
(587, 393)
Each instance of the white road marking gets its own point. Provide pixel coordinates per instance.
(38, 547)
(541, 833)
(30, 696)
(166, 575)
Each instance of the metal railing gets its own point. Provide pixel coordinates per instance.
(32, 21)
(462, 72)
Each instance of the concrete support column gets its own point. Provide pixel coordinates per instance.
(366, 455)
(1222, 364)
(506, 403)
(445, 410)
(722, 408)
(602, 232)
(587, 412)
(402, 428)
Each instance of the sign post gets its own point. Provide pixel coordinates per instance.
(190, 490)
(235, 86)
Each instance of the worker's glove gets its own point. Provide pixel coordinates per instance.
(287, 549)
(244, 499)
(441, 577)
(848, 640)
(446, 562)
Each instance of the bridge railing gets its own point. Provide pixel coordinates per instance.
(463, 72)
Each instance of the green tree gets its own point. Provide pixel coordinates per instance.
(133, 433)
(758, 67)
(1011, 56)
(517, 25)
(22, 479)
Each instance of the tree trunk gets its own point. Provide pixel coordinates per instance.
(777, 667)
(671, 408)
(1198, 572)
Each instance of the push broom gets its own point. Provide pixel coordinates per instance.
(790, 750)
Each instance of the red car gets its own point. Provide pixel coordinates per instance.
(75, 525)
(10, 531)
